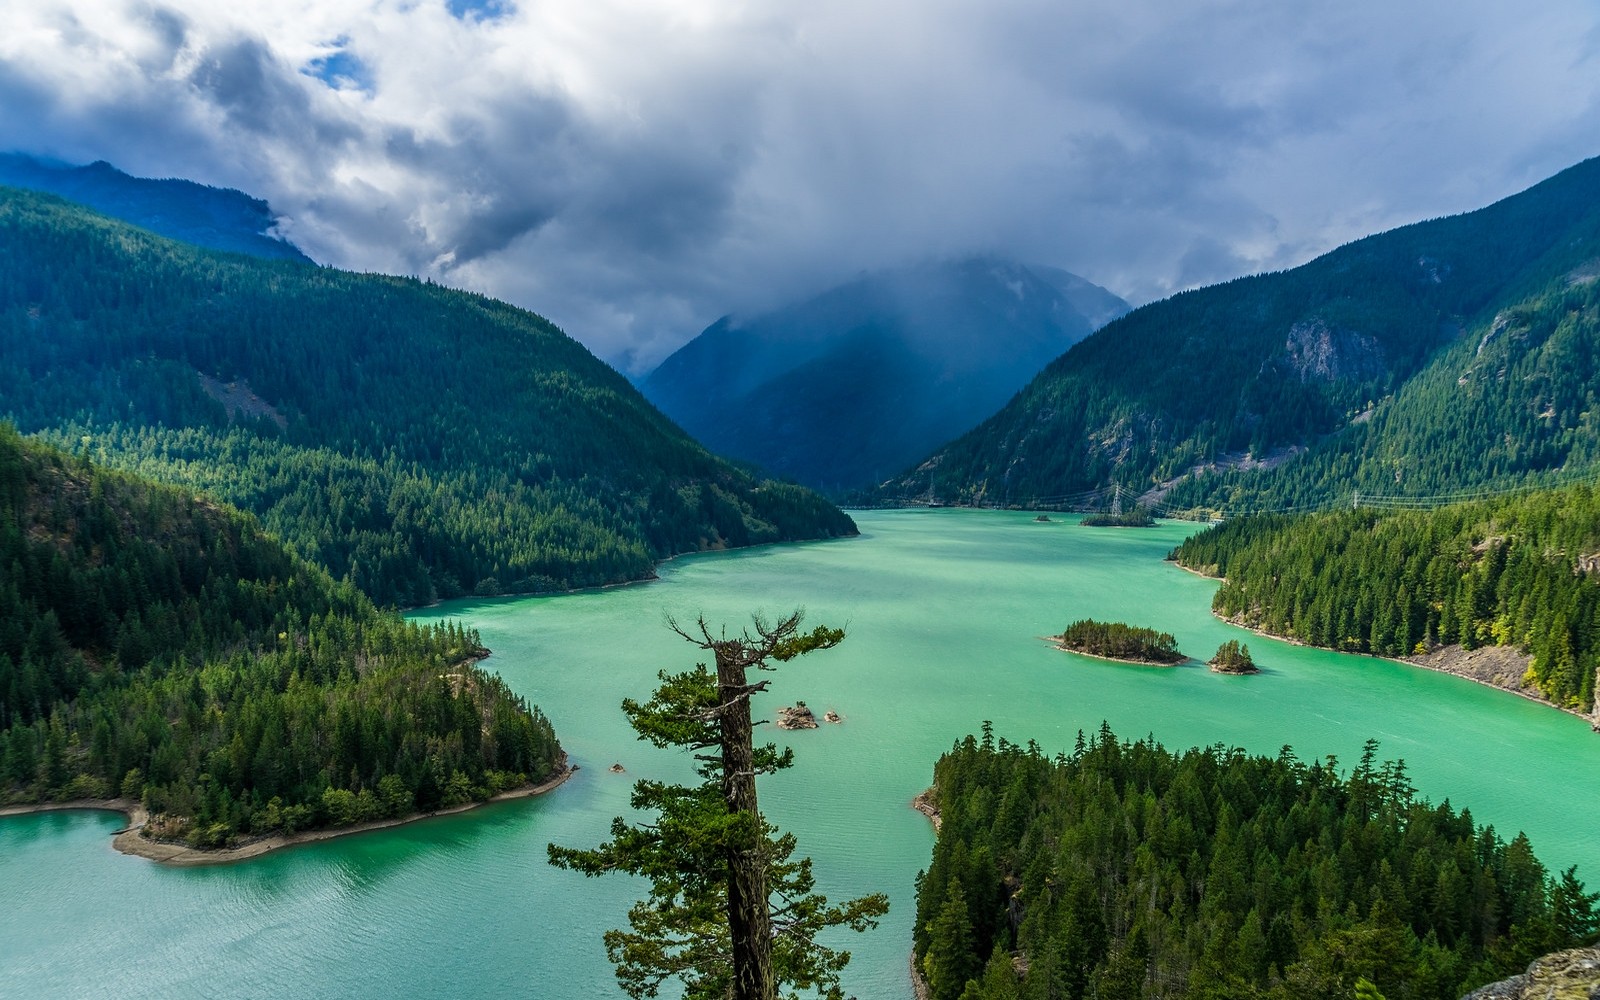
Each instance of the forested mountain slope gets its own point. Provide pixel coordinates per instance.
(845, 388)
(156, 645)
(423, 441)
(1513, 401)
(1518, 571)
(1259, 366)
(1124, 870)
(218, 218)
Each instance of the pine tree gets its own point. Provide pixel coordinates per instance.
(950, 961)
(730, 913)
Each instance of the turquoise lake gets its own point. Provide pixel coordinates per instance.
(944, 610)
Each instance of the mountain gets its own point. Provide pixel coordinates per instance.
(1436, 356)
(423, 442)
(158, 646)
(217, 218)
(845, 388)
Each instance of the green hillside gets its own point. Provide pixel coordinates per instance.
(1125, 870)
(156, 645)
(1514, 401)
(423, 441)
(1518, 571)
(1436, 356)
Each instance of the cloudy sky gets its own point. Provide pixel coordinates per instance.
(635, 168)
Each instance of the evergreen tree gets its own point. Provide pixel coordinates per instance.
(1214, 875)
(730, 913)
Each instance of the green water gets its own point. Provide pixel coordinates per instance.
(943, 610)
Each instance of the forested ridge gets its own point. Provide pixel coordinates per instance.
(1445, 354)
(1516, 571)
(220, 218)
(156, 645)
(424, 442)
(1124, 870)
(1512, 402)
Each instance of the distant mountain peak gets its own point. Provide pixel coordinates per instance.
(843, 388)
(211, 217)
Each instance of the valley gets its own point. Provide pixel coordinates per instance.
(229, 465)
(941, 610)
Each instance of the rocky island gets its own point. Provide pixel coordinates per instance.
(796, 716)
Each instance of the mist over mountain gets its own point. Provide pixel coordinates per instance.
(847, 387)
(210, 217)
(1447, 354)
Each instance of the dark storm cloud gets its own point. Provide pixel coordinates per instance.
(635, 170)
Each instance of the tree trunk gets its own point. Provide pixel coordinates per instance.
(749, 919)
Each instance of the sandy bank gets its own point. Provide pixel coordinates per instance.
(128, 840)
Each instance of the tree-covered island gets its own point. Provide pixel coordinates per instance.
(1233, 657)
(1138, 517)
(1119, 641)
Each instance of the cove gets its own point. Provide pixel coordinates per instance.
(944, 610)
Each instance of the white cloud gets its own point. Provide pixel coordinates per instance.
(634, 168)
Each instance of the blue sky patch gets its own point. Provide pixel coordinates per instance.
(479, 10)
(343, 70)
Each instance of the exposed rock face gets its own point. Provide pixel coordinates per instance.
(797, 716)
(1565, 975)
(1322, 353)
(1503, 667)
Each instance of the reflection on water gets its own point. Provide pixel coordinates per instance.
(944, 610)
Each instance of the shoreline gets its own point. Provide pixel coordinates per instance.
(654, 577)
(128, 841)
(922, 802)
(1427, 661)
(1055, 640)
(1186, 569)
(1593, 719)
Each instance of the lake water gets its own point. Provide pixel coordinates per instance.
(943, 610)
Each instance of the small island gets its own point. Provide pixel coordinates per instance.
(1121, 642)
(797, 716)
(1233, 657)
(1138, 517)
